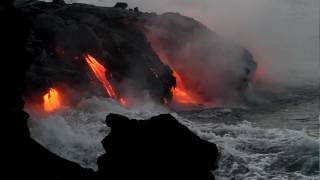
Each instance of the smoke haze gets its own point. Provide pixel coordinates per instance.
(283, 35)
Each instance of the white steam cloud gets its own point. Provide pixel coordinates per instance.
(283, 35)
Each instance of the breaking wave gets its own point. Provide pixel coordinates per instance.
(76, 133)
(254, 153)
(247, 152)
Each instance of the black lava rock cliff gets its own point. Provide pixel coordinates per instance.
(157, 148)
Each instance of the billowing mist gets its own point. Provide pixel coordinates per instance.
(283, 35)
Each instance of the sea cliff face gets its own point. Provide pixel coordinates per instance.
(67, 33)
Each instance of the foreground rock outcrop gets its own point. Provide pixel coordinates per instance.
(157, 148)
(21, 156)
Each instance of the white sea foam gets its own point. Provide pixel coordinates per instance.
(76, 133)
(251, 152)
(247, 152)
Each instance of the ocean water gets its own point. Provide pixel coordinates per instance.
(278, 138)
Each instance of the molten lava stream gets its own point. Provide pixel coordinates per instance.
(51, 100)
(180, 94)
(100, 72)
(260, 72)
(123, 102)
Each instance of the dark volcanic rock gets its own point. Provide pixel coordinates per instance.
(21, 156)
(213, 69)
(121, 5)
(61, 2)
(157, 148)
(63, 34)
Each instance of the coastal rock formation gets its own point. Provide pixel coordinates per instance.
(157, 148)
(65, 33)
(21, 156)
(141, 52)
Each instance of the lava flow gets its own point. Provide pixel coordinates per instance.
(259, 73)
(180, 93)
(123, 102)
(51, 100)
(100, 72)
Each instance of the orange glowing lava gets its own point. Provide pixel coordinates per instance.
(51, 100)
(100, 72)
(123, 102)
(259, 74)
(180, 93)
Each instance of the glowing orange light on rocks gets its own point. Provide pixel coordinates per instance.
(51, 100)
(180, 93)
(100, 72)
